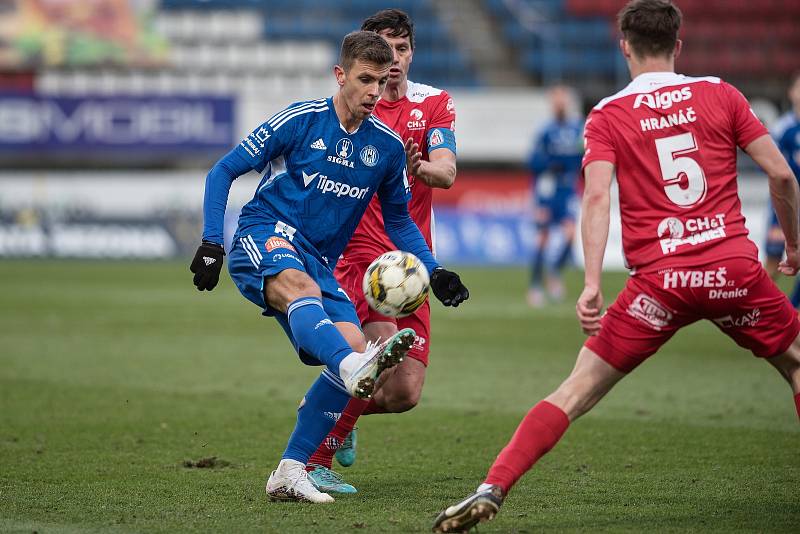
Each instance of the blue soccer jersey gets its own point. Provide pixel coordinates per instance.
(318, 178)
(558, 150)
(787, 136)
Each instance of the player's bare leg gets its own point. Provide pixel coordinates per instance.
(401, 386)
(590, 380)
(788, 365)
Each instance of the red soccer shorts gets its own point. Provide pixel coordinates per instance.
(735, 294)
(350, 275)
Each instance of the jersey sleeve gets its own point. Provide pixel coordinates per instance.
(395, 188)
(269, 140)
(745, 125)
(598, 143)
(441, 131)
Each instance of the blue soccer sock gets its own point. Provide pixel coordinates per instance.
(564, 255)
(319, 411)
(537, 267)
(316, 334)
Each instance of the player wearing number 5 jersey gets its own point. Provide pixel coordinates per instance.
(672, 140)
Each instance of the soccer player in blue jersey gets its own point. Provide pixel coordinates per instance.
(322, 162)
(786, 133)
(555, 164)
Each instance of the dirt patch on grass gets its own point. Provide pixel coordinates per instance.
(211, 462)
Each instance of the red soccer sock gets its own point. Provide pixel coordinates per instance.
(797, 403)
(324, 454)
(373, 408)
(538, 432)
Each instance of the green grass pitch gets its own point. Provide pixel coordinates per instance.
(114, 374)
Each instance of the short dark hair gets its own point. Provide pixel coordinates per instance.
(364, 46)
(397, 22)
(650, 26)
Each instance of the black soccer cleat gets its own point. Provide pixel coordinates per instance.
(479, 507)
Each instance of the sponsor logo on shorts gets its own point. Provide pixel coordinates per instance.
(285, 256)
(675, 233)
(750, 318)
(333, 415)
(717, 294)
(713, 278)
(419, 343)
(648, 310)
(278, 242)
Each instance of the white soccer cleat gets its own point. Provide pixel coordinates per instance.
(289, 482)
(359, 375)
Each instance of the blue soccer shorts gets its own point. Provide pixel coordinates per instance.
(561, 205)
(260, 251)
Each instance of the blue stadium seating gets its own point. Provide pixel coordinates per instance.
(559, 47)
(437, 60)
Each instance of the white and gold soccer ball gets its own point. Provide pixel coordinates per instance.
(396, 284)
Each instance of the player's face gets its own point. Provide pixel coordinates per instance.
(361, 86)
(403, 54)
(559, 100)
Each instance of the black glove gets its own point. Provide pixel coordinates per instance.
(448, 288)
(206, 265)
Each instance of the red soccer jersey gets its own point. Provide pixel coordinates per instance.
(673, 142)
(417, 115)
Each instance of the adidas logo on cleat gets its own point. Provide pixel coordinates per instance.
(208, 260)
(319, 144)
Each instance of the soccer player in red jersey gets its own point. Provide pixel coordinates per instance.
(424, 116)
(672, 140)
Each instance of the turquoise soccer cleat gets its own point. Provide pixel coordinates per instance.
(346, 454)
(328, 481)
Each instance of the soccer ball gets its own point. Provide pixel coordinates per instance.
(396, 284)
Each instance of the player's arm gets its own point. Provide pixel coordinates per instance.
(207, 262)
(594, 234)
(784, 193)
(598, 170)
(440, 169)
(253, 153)
(405, 234)
(218, 185)
(394, 194)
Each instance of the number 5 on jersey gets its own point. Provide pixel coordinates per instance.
(675, 164)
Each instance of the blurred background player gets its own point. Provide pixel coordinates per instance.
(786, 133)
(323, 161)
(555, 164)
(424, 117)
(672, 140)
